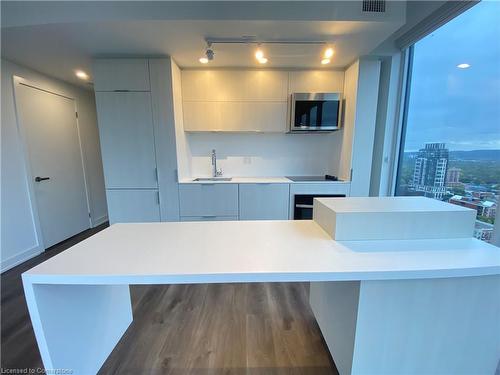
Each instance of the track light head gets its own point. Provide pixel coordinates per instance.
(210, 54)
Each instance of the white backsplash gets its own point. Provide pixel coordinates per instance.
(247, 154)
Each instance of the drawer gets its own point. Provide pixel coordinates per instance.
(264, 201)
(208, 199)
(209, 218)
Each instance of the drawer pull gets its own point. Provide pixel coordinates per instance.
(304, 205)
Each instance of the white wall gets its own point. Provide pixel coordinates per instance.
(386, 130)
(246, 154)
(181, 144)
(18, 236)
(350, 97)
(362, 83)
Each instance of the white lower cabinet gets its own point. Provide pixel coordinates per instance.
(264, 201)
(129, 206)
(247, 201)
(208, 200)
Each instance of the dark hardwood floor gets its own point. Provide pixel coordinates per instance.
(213, 329)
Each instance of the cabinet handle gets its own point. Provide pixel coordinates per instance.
(207, 216)
(158, 197)
(304, 205)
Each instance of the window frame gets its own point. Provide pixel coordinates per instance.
(404, 105)
(402, 124)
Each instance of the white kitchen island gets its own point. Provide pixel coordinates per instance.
(384, 305)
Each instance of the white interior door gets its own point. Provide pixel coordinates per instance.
(53, 145)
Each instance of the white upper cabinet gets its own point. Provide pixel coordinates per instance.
(121, 75)
(247, 100)
(234, 100)
(235, 116)
(234, 85)
(316, 81)
(127, 139)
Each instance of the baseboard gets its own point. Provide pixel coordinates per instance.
(99, 221)
(14, 260)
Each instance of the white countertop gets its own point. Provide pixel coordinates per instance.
(241, 180)
(390, 204)
(256, 251)
(258, 180)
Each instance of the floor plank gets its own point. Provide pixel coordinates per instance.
(203, 329)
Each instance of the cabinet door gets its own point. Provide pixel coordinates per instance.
(121, 74)
(269, 117)
(234, 85)
(235, 116)
(264, 201)
(316, 81)
(208, 199)
(133, 206)
(127, 139)
(253, 117)
(201, 116)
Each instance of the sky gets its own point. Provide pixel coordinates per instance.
(460, 107)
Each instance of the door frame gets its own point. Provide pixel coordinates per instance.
(20, 81)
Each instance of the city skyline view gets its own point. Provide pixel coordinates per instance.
(458, 106)
(451, 147)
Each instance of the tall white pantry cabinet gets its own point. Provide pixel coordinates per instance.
(136, 128)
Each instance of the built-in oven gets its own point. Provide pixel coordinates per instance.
(313, 112)
(303, 205)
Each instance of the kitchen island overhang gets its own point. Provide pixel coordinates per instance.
(79, 301)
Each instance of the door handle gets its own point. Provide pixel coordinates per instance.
(38, 179)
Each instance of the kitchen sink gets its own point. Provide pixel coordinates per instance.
(213, 179)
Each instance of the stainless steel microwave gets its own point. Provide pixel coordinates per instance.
(313, 112)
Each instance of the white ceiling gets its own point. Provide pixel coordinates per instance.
(57, 49)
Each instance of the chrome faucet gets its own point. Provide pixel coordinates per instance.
(215, 172)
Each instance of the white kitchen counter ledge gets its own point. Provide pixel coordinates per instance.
(257, 180)
(258, 251)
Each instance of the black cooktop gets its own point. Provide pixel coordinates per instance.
(326, 177)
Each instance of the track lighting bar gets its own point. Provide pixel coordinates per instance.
(259, 54)
(255, 41)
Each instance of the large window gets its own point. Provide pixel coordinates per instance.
(451, 130)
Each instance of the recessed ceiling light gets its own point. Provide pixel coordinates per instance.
(325, 61)
(463, 66)
(328, 53)
(203, 60)
(81, 74)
